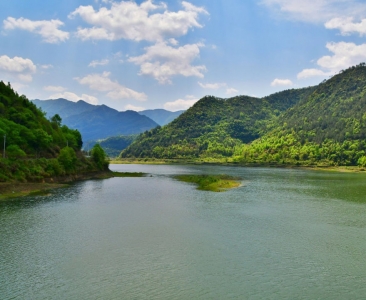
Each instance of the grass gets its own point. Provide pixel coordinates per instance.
(213, 183)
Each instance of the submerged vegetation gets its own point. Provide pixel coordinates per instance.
(213, 183)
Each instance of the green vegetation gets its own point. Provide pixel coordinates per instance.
(214, 127)
(114, 145)
(38, 148)
(324, 125)
(213, 183)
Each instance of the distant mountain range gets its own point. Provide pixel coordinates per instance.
(100, 121)
(161, 116)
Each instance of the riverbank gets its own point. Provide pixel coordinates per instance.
(20, 189)
(226, 162)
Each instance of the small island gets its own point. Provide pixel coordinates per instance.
(213, 183)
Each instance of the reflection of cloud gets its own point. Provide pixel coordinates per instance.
(47, 29)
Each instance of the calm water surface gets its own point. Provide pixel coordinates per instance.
(284, 234)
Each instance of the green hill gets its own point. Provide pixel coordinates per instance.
(214, 127)
(36, 147)
(328, 127)
(113, 145)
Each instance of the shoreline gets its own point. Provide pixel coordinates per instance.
(10, 190)
(343, 169)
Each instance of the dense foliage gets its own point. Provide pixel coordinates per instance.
(324, 125)
(36, 147)
(113, 145)
(214, 127)
(328, 127)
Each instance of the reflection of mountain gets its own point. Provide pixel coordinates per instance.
(96, 121)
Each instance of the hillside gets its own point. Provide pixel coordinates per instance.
(214, 126)
(113, 145)
(161, 116)
(36, 147)
(328, 127)
(96, 121)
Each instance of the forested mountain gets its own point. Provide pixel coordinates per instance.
(161, 116)
(96, 121)
(323, 125)
(328, 127)
(214, 126)
(37, 147)
(27, 128)
(113, 145)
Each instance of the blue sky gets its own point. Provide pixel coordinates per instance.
(152, 54)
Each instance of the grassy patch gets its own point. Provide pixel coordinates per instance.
(214, 183)
(129, 174)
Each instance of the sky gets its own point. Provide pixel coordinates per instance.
(168, 54)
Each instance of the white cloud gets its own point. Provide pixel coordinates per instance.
(46, 67)
(51, 88)
(316, 10)
(344, 56)
(346, 26)
(307, 73)
(231, 91)
(135, 108)
(21, 68)
(212, 86)
(102, 83)
(73, 97)
(180, 104)
(281, 82)
(95, 63)
(47, 29)
(128, 20)
(162, 61)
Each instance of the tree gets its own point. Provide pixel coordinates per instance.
(67, 159)
(56, 119)
(99, 157)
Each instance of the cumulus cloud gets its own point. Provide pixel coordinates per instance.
(180, 104)
(231, 91)
(162, 61)
(21, 68)
(212, 86)
(347, 26)
(95, 63)
(344, 56)
(102, 83)
(47, 29)
(308, 73)
(128, 20)
(281, 82)
(73, 97)
(135, 108)
(316, 11)
(52, 88)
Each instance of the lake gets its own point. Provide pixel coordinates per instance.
(283, 234)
